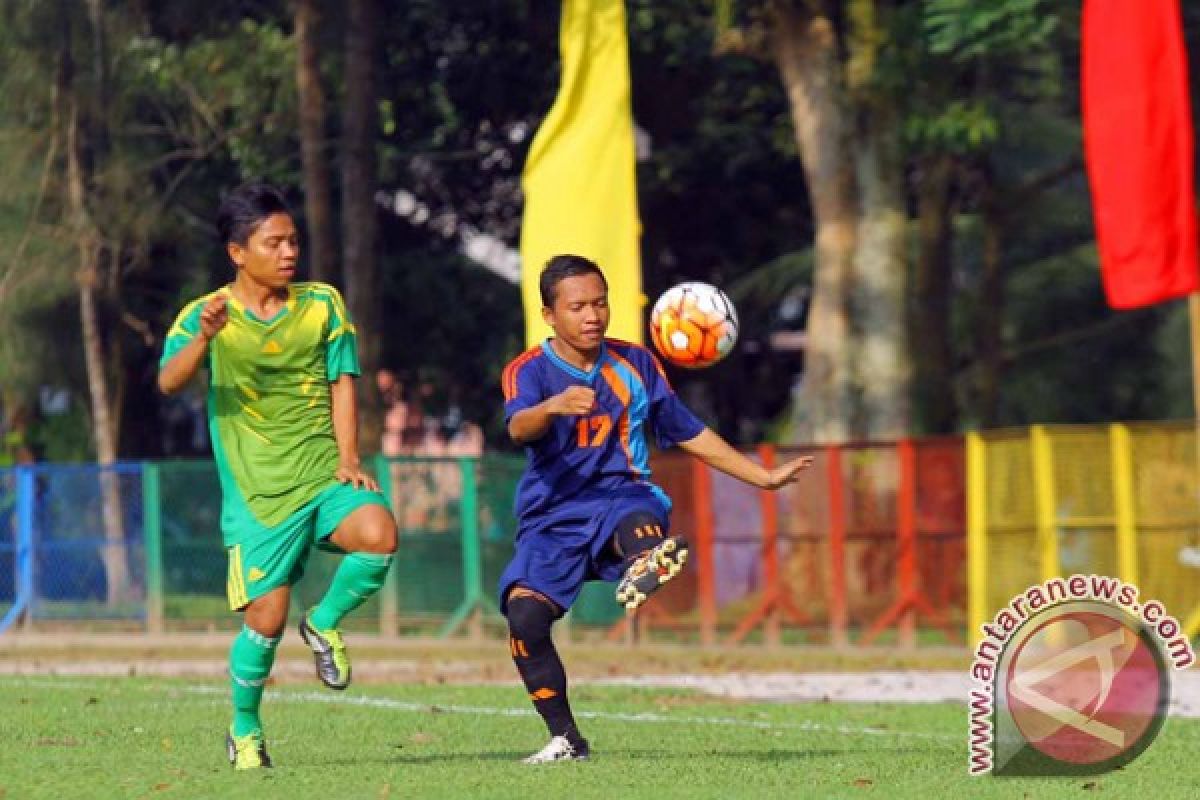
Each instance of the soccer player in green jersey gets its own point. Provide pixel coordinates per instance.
(281, 359)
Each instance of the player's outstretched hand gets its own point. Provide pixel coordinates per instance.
(574, 401)
(360, 478)
(788, 473)
(214, 316)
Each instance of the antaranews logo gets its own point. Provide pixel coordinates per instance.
(1072, 677)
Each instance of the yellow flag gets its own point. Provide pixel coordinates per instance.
(579, 179)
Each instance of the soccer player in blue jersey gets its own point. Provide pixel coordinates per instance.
(583, 406)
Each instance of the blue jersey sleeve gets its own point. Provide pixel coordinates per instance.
(522, 387)
(671, 420)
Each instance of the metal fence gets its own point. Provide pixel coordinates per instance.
(870, 545)
(1117, 500)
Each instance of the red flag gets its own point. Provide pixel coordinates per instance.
(1137, 125)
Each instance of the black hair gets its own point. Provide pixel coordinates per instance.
(561, 267)
(245, 208)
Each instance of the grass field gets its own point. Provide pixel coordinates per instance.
(161, 738)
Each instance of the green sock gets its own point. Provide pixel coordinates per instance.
(250, 661)
(358, 577)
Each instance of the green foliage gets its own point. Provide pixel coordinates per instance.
(35, 267)
(64, 438)
(972, 60)
(966, 30)
(232, 95)
(202, 97)
(1173, 349)
(961, 126)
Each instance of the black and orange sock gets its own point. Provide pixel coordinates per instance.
(530, 616)
(636, 534)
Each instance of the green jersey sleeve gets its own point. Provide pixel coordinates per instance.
(185, 328)
(341, 343)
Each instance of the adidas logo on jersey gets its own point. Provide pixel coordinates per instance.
(272, 348)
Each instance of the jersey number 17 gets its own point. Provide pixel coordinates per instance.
(592, 431)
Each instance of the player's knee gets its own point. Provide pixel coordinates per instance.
(529, 616)
(267, 614)
(379, 536)
(636, 532)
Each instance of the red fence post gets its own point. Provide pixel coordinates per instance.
(770, 548)
(776, 601)
(838, 615)
(910, 598)
(705, 577)
(906, 538)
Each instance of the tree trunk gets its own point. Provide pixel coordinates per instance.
(884, 371)
(989, 356)
(114, 556)
(359, 220)
(805, 49)
(929, 320)
(318, 210)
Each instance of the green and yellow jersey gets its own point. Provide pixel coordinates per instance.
(269, 401)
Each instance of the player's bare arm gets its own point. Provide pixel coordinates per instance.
(719, 454)
(345, 431)
(182, 368)
(532, 423)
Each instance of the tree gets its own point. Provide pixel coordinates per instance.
(94, 255)
(856, 372)
(318, 197)
(359, 211)
(960, 132)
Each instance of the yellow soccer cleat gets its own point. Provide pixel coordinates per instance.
(329, 653)
(247, 752)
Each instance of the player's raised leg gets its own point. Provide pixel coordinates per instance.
(364, 528)
(652, 558)
(530, 616)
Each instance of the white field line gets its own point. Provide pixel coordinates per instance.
(890, 686)
(317, 698)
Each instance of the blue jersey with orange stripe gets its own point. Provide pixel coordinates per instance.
(606, 449)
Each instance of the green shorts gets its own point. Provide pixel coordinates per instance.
(277, 556)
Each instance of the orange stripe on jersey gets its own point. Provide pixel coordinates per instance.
(619, 387)
(625, 394)
(653, 358)
(632, 370)
(509, 380)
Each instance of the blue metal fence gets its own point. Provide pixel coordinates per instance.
(72, 543)
(138, 545)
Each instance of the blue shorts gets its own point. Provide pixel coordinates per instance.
(558, 551)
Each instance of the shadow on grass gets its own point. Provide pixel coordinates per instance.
(773, 755)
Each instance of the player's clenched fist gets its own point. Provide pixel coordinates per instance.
(574, 400)
(213, 317)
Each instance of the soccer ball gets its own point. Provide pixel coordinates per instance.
(693, 325)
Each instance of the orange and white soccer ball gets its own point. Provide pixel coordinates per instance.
(693, 325)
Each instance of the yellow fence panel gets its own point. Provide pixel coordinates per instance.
(1057, 500)
(1011, 517)
(1166, 506)
(1084, 512)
